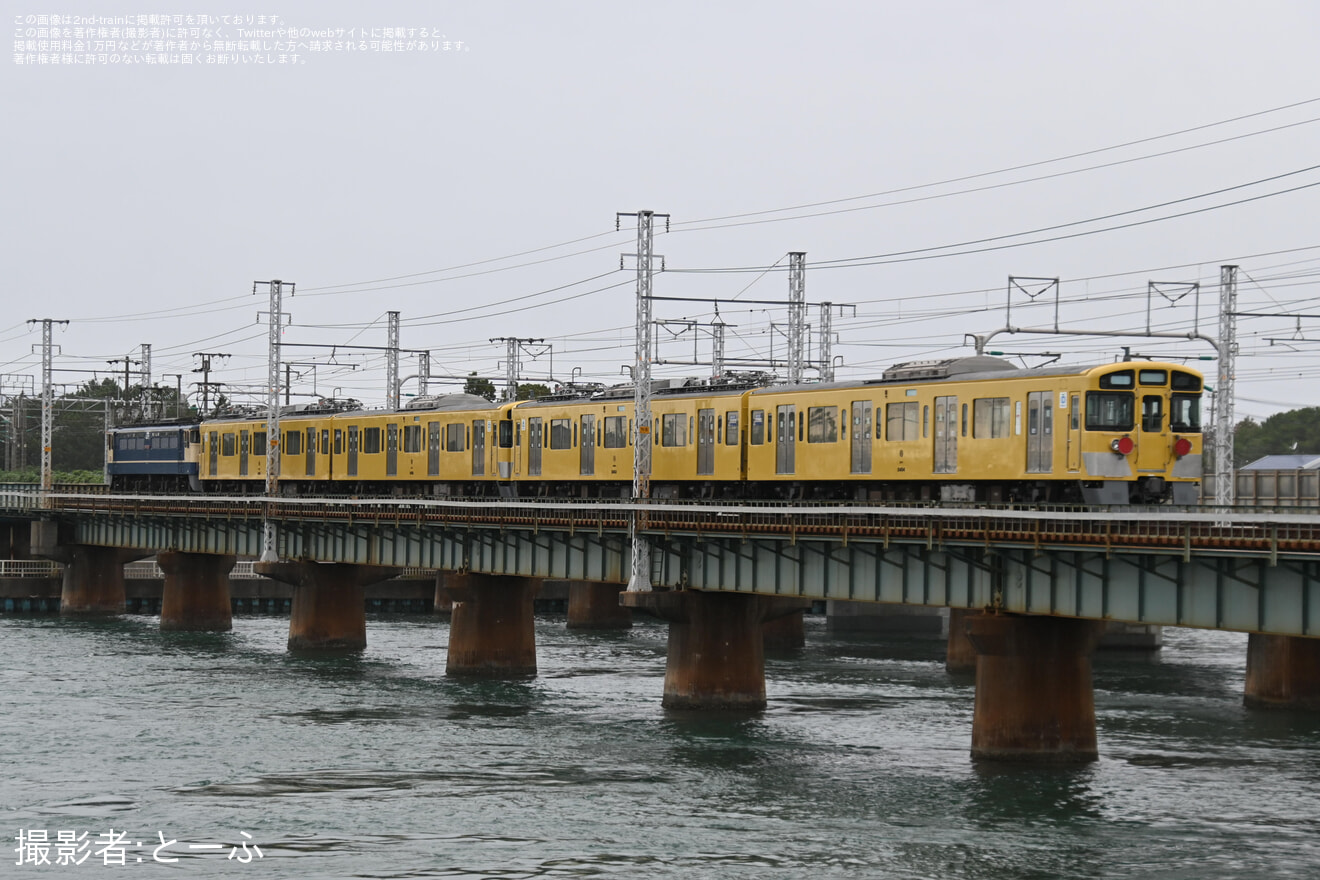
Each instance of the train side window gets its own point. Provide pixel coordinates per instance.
(370, 441)
(1017, 417)
(791, 416)
(925, 421)
(1076, 414)
(673, 429)
(339, 441)
(293, 443)
(561, 436)
(454, 437)
(412, 438)
(823, 424)
(325, 441)
(964, 420)
(259, 443)
(575, 436)
(731, 429)
(758, 427)
(227, 443)
(719, 429)
(615, 432)
(990, 417)
(901, 421)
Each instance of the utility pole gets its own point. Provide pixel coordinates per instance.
(640, 580)
(275, 316)
(513, 349)
(145, 373)
(47, 405)
(1225, 491)
(178, 392)
(797, 314)
(717, 348)
(127, 362)
(423, 373)
(392, 363)
(206, 383)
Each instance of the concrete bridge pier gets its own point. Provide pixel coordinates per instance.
(195, 595)
(1034, 698)
(716, 645)
(442, 604)
(492, 632)
(594, 605)
(960, 658)
(787, 633)
(93, 578)
(329, 610)
(1283, 672)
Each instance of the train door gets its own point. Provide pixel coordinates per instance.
(352, 450)
(478, 447)
(946, 435)
(861, 436)
(311, 452)
(785, 439)
(705, 442)
(1040, 432)
(588, 448)
(391, 450)
(244, 447)
(433, 449)
(534, 432)
(213, 450)
(1153, 449)
(1074, 433)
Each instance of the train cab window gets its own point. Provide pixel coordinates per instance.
(454, 437)
(339, 441)
(561, 435)
(1152, 412)
(1109, 411)
(989, 417)
(1185, 381)
(1185, 413)
(758, 427)
(412, 438)
(673, 429)
(227, 444)
(370, 441)
(1152, 377)
(293, 444)
(506, 434)
(823, 424)
(195, 435)
(1121, 379)
(616, 432)
(731, 428)
(259, 443)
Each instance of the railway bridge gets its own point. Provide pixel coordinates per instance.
(1028, 589)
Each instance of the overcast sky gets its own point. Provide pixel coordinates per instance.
(474, 189)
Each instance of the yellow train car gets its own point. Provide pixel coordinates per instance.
(980, 430)
(442, 445)
(572, 446)
(232, 455)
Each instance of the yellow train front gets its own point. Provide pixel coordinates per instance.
(978, 430)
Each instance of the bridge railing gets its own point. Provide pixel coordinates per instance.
(29, 568)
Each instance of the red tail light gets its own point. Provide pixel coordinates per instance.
(1182, 446)
(1123, 445)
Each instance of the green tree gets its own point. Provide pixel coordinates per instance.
(1294, 431)
(479, 386)
(533, 390)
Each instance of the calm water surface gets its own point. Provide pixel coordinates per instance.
(380, 766)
